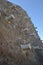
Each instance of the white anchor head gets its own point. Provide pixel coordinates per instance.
(29, 45)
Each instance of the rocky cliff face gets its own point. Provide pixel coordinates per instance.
(19, 41)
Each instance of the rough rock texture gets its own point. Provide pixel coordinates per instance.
(19, 41)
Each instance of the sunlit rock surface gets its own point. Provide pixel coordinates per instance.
(20, 43)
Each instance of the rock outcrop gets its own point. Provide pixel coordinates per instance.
(20, 43)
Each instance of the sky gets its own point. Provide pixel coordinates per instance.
(34, 9)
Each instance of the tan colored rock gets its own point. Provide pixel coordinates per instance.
(17, 30)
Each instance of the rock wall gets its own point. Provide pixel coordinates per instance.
(16, 30)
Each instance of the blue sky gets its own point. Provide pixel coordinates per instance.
(34, 9)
